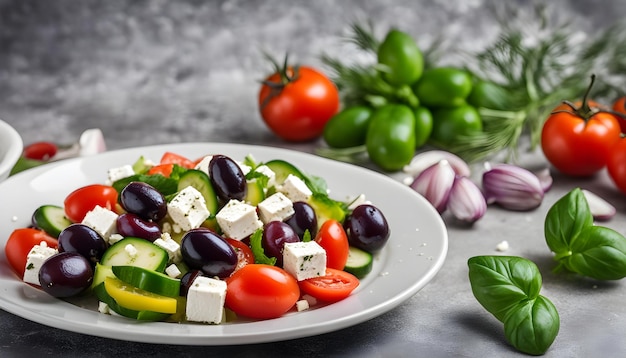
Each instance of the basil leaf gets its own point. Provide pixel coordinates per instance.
(257, 249)
(499, 283)
(598, 252)
(532, 326)
(565, 220)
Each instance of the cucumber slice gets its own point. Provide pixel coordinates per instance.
(100, 273)
(359, 263)
(201, 182)
(51, 219)
(255, 193)
(326, 208)
(282, 169)
(146, 254)
(103, 296)
(148, 280)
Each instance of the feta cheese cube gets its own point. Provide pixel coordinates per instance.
(295, 189)
(103, 308)
(173, 271)
(131, 250)
(238, 219)
(188, 209)
(276, 207)
(304, 260)
(205, 300)
(102, 220)
(115, 238)
(203, 165)
(35, 258)
(170, 246)
(302, 305)
(245, 169)
(115, 174)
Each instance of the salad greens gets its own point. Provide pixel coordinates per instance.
(508, 287)
(579, 245)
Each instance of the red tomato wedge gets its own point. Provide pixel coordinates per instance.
(83, 200)
(243, 251)
(173, 158)
(163, 169)
(332, 287)
(332, 237)
(19, 244)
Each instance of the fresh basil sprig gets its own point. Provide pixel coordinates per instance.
(579, 245)
(508, 287)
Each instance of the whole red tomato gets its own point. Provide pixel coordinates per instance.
(619, 106)
(578, 138)
(296, 102)
(616, 165)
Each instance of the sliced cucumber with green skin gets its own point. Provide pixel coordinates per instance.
(359, 263)
(201, 182)
(146, 254)
(148, 280)
(51, 219)
(326, 208)
(100, 273)
(282, 169)
(103, 296)
(255, 193)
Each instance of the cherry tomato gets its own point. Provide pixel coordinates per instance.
(616, 165)
(243, 251)
(261, 291)
(578, 140)
(296, 102)
(619, 106)
(332, 237)
(334, 286)
(19, 244)
(173, 158)
(83, 200)
(40, 150)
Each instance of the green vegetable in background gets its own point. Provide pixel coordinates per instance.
(579, 245)
(443, 87)
(487, 94)
(450, 124)
(423, 125)
(400, 59)
(348, 128)
(508, 287)
(390, 140)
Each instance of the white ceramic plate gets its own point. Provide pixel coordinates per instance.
(415, 252)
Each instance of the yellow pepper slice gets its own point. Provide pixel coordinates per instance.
(137, 299)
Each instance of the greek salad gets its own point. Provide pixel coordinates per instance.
(206, 240)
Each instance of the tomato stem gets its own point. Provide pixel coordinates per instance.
(286, 73)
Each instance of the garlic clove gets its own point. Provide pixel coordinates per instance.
(466, 201)
(601, 209)
(435, 183)
(423, 160)
(512, 187)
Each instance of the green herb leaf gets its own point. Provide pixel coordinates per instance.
(565, 220)
(500, 283)
(165, 186)
(257, 249)
(532, 326)
(598, 252)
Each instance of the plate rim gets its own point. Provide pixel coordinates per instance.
(232, 338)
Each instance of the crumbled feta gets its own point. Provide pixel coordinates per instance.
(131, 250)
(203, 165)
(103, 308)
(115, 238)
(269, 173)
(302, 305)
(295, 189)
(276, 207)
(238, 219)
(205, 300)
(304, 260)
(35, 258)
(115, 174)
(502, 246)
(170, 246)
(102, 220)
(188, 209)
(173, 271)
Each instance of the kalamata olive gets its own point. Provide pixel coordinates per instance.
(227, 178)
(187, 280)
(144, 200)
(65, 274)
(205, 250)
(275, 235)
(83, 240)
(303, 219)
(367, 228)
(129, 224)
